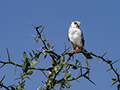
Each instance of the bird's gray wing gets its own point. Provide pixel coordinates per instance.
(83, 41)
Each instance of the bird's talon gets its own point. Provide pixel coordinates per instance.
(72, 51)
(77, 49)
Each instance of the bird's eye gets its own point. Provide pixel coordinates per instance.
(75, 23)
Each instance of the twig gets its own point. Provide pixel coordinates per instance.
(58, 72)
(13, 63)
(8, 54)
(4, 86)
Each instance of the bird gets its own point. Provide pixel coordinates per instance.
(76, 38)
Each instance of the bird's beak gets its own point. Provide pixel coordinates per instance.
(77, 25)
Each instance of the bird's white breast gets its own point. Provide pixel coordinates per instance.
(75, 36)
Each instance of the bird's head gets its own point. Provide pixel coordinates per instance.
(75, 24)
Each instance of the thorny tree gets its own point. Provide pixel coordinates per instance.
(59, 72)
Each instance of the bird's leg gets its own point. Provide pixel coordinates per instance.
(77, 49)
(72, 51)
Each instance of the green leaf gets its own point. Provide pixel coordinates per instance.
(98, 59)
(42, 29)
(52, 66)
(68, 67)
(33, 63)
(63, 62)
(45, 56)
(25, 56)
(43, 89)
(66, 50)
(43, 36)
(68, 75)
(8, 54)
(2, 79)
(39, 88)
(48, 45)
(104, 54)
(115, 61)
(24, 76)
(30, 54)
(77, 75)
(16, 88)
(37, 55)
(56, 68)
(33, 52)
(49, 82)
(108, 70)
(33, 25)
(23, 66)
(15, 70)
(78, 81)
(36, 40)
(62, 82)
(86, 62)
(118, 86)
(39, 26)
(19, 82)
(30, 72)
(50, 73)
(53, 62)
(65, 45)
(113, 79)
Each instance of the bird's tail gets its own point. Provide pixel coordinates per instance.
(87, 55)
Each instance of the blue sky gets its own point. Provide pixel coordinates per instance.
(100, 23)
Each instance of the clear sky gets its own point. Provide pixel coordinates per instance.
(100, 23)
